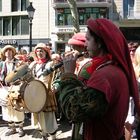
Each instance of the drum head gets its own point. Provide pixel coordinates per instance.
(35, 96)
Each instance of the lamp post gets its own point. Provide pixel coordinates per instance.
(30, 10)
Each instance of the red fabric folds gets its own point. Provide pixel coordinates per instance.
(118, 48)
(42, 61)
(97, 61)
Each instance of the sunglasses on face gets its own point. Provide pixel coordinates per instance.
(132, 50)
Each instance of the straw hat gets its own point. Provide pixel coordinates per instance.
(8, 47)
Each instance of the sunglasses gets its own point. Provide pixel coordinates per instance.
(132, 50)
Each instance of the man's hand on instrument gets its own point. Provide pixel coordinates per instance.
(69, 61)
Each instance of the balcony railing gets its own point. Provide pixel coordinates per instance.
(65, 1)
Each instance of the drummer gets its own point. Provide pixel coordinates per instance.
(13, 117)
(45, 120)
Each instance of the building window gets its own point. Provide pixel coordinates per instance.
(24, 5)
(64, 17)
(60, 17)
(15, 25)
(68, 17)
(15, 5)
(6, 26)
(81, 12)
(0, 5)
(19, 5)
(24, 25)
(103, 12)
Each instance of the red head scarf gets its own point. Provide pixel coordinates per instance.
(118, 48)
(46, 49)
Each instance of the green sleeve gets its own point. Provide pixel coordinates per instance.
(79, 102)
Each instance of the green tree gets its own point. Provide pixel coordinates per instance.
(75, 16)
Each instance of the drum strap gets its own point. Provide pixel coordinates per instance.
(4, 69)
(36, 71)
(51, 80)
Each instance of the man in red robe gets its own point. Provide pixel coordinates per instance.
(99, 96)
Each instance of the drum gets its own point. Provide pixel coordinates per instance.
(28, 96)
(14, 98)
(34, 94)
(18, 73)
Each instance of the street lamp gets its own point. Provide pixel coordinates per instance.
(30, 10)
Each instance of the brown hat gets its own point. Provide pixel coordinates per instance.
(8, 47)
(44, 47)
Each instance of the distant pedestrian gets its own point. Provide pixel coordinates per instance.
(133, 127)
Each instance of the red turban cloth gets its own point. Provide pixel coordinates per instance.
(118, 47)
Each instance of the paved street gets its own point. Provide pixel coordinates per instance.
(64, 132)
